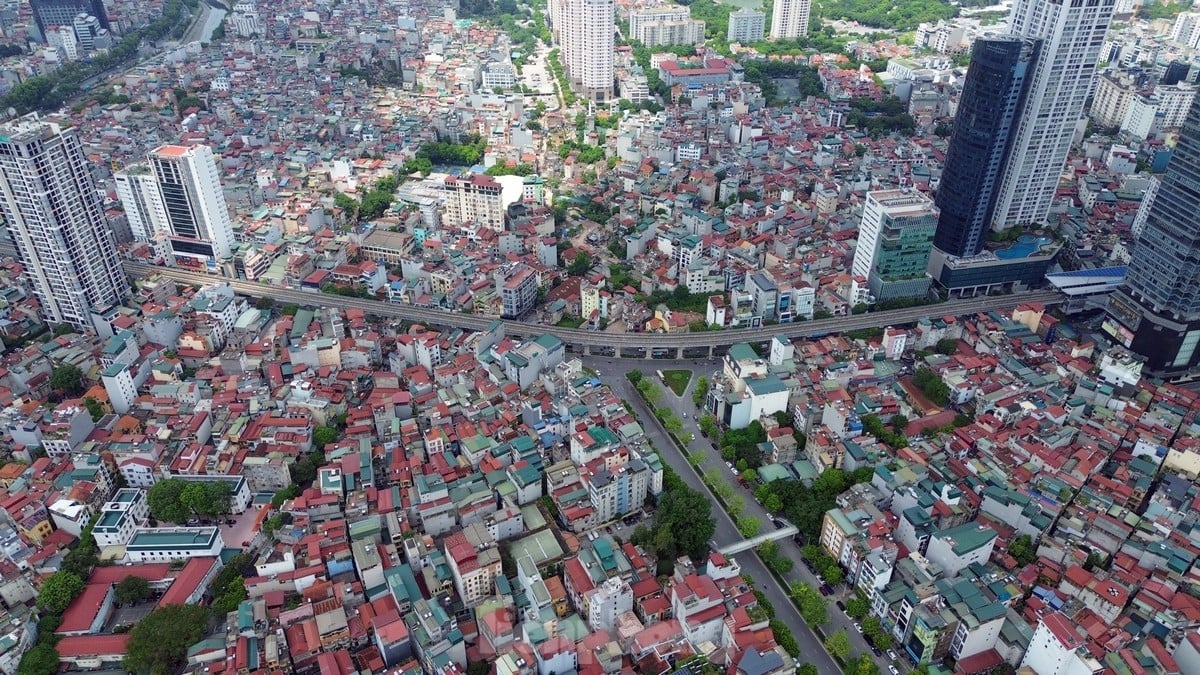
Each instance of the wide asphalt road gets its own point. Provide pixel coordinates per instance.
(811, 649)
(612, 372)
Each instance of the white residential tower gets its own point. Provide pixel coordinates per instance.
(1071, 35)
(56, 221)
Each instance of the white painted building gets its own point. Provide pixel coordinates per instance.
(474, 199)
(1058, 649)
(665, 25)
(746, 25)
(118, 384)
(958, 547)
(587, 39)
(164, 544)
(789, 19)
(120, 518)
(70, 516)
(607, 602)
(63, 38)
(68, 252)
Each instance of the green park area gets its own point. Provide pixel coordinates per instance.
(677, 380)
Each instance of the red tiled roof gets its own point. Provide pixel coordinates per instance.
(92, 645)
(83, 610)
(187, 580)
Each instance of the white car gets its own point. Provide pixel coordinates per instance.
(893, 670)
(858, 626)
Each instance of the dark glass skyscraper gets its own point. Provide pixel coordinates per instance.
(1157, 312)
(992, 99)
(47, 13)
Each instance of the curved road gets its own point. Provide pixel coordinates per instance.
(617, 341)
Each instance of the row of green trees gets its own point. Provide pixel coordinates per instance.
(902, 16)
(374, 203)
(893, 437)
(176, 500)
(932, 386)
(880, 118)
(48, 92)
(826, 566)
(54, 595)
(805, 506)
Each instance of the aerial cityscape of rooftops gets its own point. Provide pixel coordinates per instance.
(543, 337)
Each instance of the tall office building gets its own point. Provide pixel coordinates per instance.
(47, 13)
(992, 98)
(56, 221)
(586, 31)
(176, 202)
(894, 241)
(789, 19)
(1157, 312)
(1072, 34)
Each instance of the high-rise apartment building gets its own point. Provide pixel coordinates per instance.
(747, 25)
(586, 32)
(175, 201)
(474, 199)
(1114, 93)
(666, 25)
(56, 220)
(1071, 35)
(47, 13)
(63, 38)
(894, 241)
(1186, 30)
(789, 19)
(991, 101)
(1157, 312)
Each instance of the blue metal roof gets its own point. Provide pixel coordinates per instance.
(1114, 271)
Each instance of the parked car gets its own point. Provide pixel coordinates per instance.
(826, 589)
(893, 670)
(841, 605)
(892, 655)
(857, 627)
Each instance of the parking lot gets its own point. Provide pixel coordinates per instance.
(243, 529)
(128, 616)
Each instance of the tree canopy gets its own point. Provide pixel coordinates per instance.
(738, 445)
(159, 642)
(805, 506)
(176, 500)
(580, 265)
(838, 645)
(683, 524)
(58, 590)
(67, 379)
(41, 660)
(812, 605)
(323, 436)
(932, 386)
(132, 590)
(304, 472)
(1022, 550)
